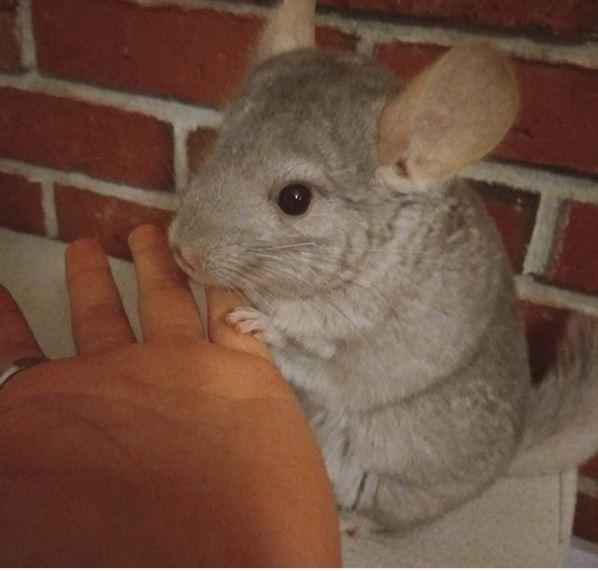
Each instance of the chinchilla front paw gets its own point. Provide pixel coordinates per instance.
(250, 320)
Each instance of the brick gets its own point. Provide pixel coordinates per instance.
(558, 118)
(407, 60)
(514, 213)
(330, 38)
(10, 46)
(591, 468)
(198, 145)
(544, 328)
(101, 141)
(565, 17)
(84, 214)
(21, 204)
(585, 523)
(575, 261)
(192, 54)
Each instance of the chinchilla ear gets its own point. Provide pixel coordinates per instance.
(290, 27)
(450, 116)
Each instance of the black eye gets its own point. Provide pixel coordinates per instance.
(294, 199)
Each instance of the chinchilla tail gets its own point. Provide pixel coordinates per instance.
(562, 422)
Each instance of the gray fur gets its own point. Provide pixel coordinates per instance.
(391, 311)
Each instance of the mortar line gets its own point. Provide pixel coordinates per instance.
(537, 180)
(181, 162)
(189, 115)
(28, 48)
(545, 294)
(49, 208)
(366, 45)
(152, 198)
(544, 236)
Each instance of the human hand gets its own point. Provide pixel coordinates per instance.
(174, 451)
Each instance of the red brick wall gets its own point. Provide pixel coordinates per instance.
(106, 105)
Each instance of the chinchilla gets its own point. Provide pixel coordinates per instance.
(330, 200)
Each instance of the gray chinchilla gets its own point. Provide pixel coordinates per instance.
(330, 200)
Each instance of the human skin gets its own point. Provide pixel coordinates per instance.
(179, 450)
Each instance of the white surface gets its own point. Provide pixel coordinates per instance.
(515, 524)
(518, 522)
(581, 554)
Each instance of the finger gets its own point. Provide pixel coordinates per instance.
(220, 303)
(167, 308)
(98, 318)
(16, 339)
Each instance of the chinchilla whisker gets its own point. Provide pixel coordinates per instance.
(266, 256)
(390, 251)
(253, 294)
(282, 268)
(290, 246)
(274, 274)
(282, 265)
(319, 267)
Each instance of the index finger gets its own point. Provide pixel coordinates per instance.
(167, 308)
(220, 303)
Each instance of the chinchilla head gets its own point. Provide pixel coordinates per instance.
(319, 147)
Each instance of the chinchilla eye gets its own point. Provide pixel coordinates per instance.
(294, 199)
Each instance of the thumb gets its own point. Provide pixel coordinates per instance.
(220, 303)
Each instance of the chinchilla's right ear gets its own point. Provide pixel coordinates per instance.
(450, 116)
(290, 27)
